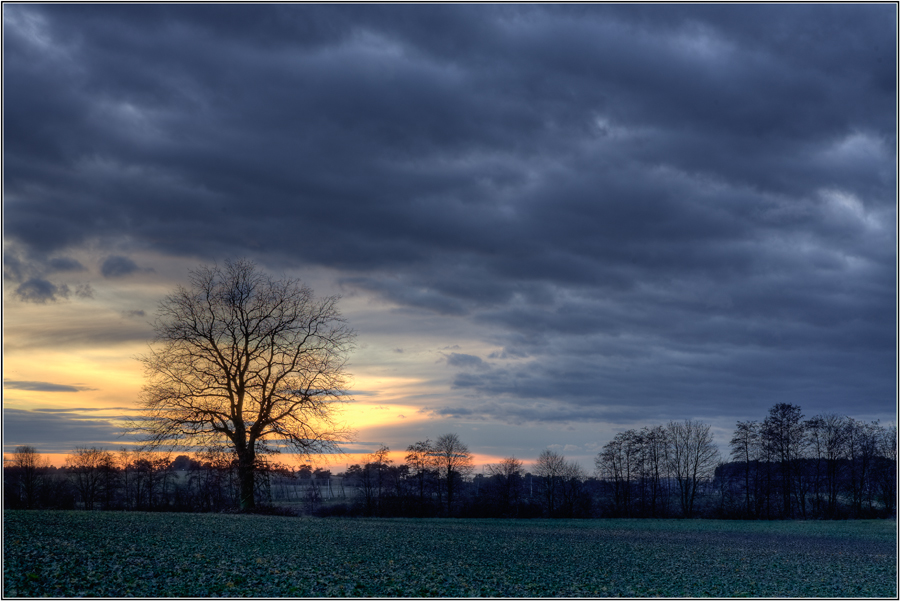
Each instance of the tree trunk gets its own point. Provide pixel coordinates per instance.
(246, 478)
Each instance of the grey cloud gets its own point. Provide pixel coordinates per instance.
(84, 409)
(452, 412)
(31, 273)
(508, 353)
(38, 290)
(65, 264)
(116, 266)
(622, 384)
(42, 386)
(466, 361)
(524, 413)
(442, 202)
(84, 291)
(60, 432)
(13, 267)
(98, 332)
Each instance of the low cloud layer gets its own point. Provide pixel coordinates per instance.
(669, 210)
(61, 431)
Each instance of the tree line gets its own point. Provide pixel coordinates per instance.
(828, 466)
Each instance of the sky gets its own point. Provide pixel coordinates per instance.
(547, 223)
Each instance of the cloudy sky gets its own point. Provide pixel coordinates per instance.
(548, 224)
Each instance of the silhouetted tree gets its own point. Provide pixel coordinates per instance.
(570, 489)
(506, 485)
(27, 467)
(693, 458)
(240, 358)
(783, 435)
(322, 478)
(380, 465)
(617, 464)
(745, 448)
(183, 463)
(549, 470)
(862, 447)
(886, 468)
(420, 459)
(832, 430)
(453, 461)
(87, 466)
(653, 467)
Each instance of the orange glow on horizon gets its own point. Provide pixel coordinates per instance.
(336, 462)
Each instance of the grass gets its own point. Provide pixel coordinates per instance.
(65, 554)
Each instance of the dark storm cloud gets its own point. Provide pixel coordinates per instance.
(655, 206)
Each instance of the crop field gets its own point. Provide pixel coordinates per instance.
(57, 553)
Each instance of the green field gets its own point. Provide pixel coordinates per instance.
(58, 553)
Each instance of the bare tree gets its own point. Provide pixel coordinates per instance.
(381, 462)
(420, 458)
(617, 463)
(245, 362)
(887, 467)
(550, 468)
(744, 448)
(453, 462)
(834, 433)
(29, 467)
(571, 480)
(508, 475)
(87, 465)
(862, 447)
(656, 444)
(693, 459)
(783, 434)
(560, 481)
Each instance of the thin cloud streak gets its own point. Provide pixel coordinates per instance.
(42, 386)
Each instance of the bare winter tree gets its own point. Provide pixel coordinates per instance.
(570, 487)
(248, 363)
(453, 462)
(550, 468)
(508, 474)
(656, 455)
(744, 448)
(419, 459)
(693, 458)
(28, 466)
(783, 433)
(617, 463)
(87, 466)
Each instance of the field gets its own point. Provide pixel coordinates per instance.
(56, 553)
